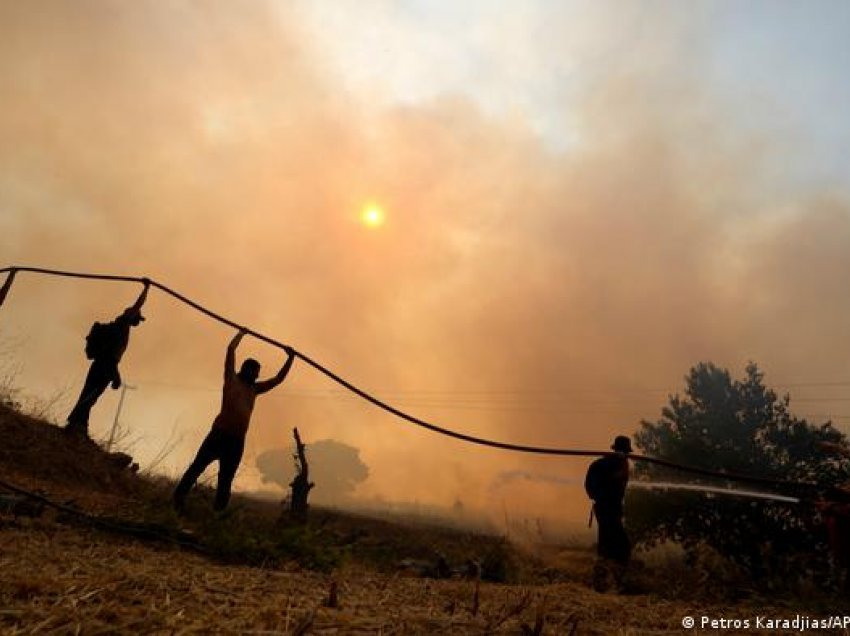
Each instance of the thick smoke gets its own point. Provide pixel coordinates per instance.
(518, 292)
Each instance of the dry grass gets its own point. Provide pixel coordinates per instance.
(62, 578)
(57, 579)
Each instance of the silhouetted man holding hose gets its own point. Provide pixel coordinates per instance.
(105, 346)
(226, 441)
(605, 483)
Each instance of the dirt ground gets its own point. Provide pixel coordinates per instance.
(67, 579)
(56, 578)
(61, 575)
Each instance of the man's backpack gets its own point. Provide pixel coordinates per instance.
(596, 479)
(99, 340)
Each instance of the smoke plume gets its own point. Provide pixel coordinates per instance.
(521, 292)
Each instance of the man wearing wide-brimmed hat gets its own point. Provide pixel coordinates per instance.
(605, 483)
(105, 346)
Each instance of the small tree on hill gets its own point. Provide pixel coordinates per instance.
(300, 485)
(335, 466)
(739, 427)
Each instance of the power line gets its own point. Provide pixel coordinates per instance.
(445, 399)
(571, 406)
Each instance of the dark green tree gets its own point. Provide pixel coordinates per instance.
(742, 427)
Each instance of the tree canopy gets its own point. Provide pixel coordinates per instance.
(736, 426)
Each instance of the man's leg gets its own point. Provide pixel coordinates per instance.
(97, 379)
(209, 451)
(622, 545)
(621, 549)
(606, 535)
(608, 569)
(231, 455)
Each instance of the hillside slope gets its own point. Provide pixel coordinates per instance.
(61, 574)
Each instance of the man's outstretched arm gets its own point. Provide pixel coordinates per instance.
(268, 385)
(137, 306)
(230, 356)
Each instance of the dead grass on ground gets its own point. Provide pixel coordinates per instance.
(57, 579)
(63, 576)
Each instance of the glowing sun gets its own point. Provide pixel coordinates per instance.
(372, 215)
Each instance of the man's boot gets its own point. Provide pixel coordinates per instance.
(77, 429)
(602, 576)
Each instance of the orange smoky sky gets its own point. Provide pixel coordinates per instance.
(516, 290)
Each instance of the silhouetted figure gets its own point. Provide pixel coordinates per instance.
(835, 510)
(605, 483)
(105, 345)
(226, 441)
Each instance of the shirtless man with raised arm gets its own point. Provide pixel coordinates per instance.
(226, 441)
